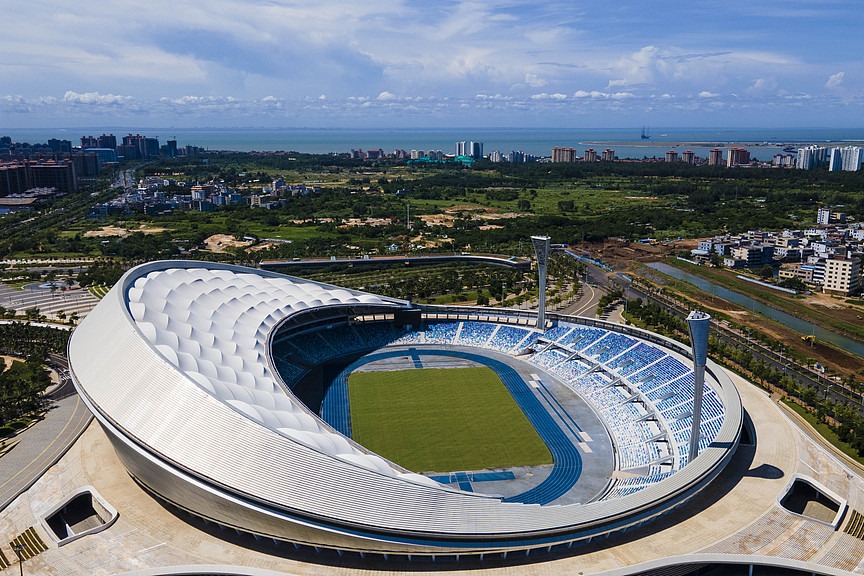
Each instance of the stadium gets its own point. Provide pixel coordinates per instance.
(226, 395)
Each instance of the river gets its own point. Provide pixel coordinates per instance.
(797, 324)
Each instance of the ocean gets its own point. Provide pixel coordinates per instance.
(763, 143)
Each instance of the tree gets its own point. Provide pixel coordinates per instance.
(793, 284)
(766, 272)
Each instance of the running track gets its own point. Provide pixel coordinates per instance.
(567, 463)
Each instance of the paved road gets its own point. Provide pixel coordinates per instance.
(40, 446)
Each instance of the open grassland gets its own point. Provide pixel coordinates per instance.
(442, 420)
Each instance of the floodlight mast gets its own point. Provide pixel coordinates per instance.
(699, 324)
(541, 251)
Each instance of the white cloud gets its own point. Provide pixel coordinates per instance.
(762, 86)
(545, 96)
(95, 98)
(835, 80)
(534, 81)
(504, 57)
(594, 94)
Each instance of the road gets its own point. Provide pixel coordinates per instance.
(41, 446)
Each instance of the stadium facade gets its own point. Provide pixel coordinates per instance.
(179, 363)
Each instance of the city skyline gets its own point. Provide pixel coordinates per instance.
(399, 64)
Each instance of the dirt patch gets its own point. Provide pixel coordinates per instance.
(365, 222)
(222, 242)
(107, 231)
(445, 220)
(491, 215)
(425, 242)
(9, 359)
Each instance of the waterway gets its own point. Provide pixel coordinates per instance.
(793, 322)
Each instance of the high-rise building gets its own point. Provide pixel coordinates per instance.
(59, 175)
(784, 160)
(608, 155)
(135, 147)
(18, 177)
(823, 216)
(847, 158)
(842, 276)
(835, 160)
(89, 142)
(715, 157)
(60, 146)
(811, 157)
(86, 164)
(106, 141)
(13, 178)
(151, 147)
(590, 155)
(471, 149)
(853, 158)
(671, 156)
(737, 157)
(688, 157)
(564, 154)
(171, 148)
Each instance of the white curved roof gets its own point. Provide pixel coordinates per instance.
(176, 358)
(213, 325)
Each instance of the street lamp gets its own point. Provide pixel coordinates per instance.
(18, 549)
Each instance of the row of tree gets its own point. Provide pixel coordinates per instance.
(32, 342)
(21, 386)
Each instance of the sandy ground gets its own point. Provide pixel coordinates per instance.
(118, 231)
(222, 242)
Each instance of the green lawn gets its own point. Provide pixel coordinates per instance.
(442, 420)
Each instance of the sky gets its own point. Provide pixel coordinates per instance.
(447, 63)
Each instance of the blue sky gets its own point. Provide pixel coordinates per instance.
(450, 63)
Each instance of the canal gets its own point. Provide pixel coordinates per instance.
(793, 322)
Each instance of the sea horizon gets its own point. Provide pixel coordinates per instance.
(627, 142)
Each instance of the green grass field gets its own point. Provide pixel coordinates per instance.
(442, 420)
